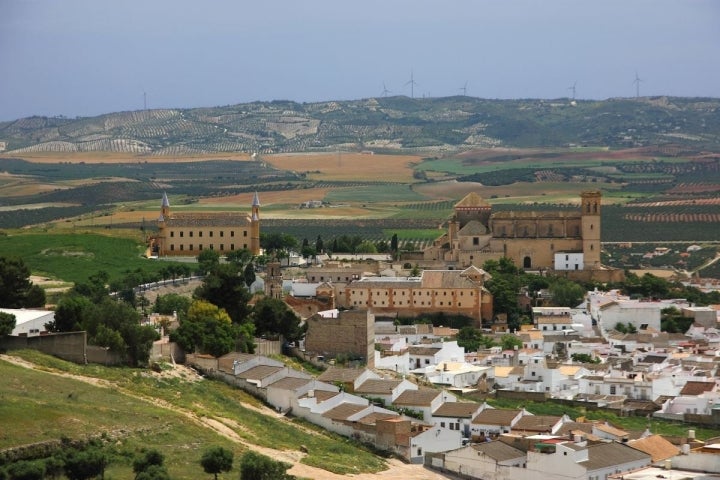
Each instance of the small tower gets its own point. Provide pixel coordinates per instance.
(273, 280)
(255, 226)
(164, 208)
(590, 205)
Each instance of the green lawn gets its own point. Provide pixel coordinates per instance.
(74, 257)
(374, 194)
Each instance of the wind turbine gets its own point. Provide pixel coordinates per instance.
(385, 91)
(636, 82)
(573, 89)
(464, 89)
(412, 84)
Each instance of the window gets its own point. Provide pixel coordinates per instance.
(172, 247)
(201, 247)
(222, 246)
(232, 246)
(222, 234)
(190, 233)
(190, 246)
(182, 247)
(211, 234)
(442, 424)
(172, 234)
(245, 246)
(232, 233)
(181, 234)
(200, 233)
(476, 241)
(212, 247)
(244, 233)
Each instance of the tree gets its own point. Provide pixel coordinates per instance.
(7, 323)
(146, 460)
(209, 329)
(584, 358)
(510, 341)
(95, 288)
(69, 313)
(86, 464)
(249, 274)
(366, 247)
(153, 472)
(254, 466)
(394, 243)
(472, 339)
(319, 245)
(239, 257)
(26, 470)
(273, 317)
(16, 289)
(208, 260)
(225, 288)
(216, 460)
(172, 303)
(566, 293)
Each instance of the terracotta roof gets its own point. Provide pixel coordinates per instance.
(472, 199)
(429, 351)
(337, 374)
(290, 383)
(495, 416)
(536, 423)
(473, 228)
(321, 395)
(207, 220)
(377, 386)
(655, 446)
(572, 427)
(259, 372)
(372, 418)
(498, 451)
(693, 388)
(343, 411)
(603, 455)
(420, 398)
(456, 409)
(446, 279)
(611, 430)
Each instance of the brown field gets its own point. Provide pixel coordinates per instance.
(118, 157)
(348, 166)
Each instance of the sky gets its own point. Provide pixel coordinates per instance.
(88, 57)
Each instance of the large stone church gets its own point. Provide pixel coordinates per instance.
(188, 234)
(558, 241)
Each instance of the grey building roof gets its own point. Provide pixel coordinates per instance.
(605, 455)
(498, 451)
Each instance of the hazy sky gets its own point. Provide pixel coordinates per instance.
(87, 57)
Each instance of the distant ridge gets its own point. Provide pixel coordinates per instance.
(388, 124)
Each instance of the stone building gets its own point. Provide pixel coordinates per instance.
(336, 332)
(451, 292)
(532, 240)
(188, 234)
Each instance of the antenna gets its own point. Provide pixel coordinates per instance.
(573, 89)
(636, 82)
(464, 89)
(144, 101)
(385, 91)
(412, 84)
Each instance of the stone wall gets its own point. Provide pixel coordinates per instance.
(69, 346)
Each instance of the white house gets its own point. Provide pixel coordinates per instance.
(489, 460)
(28, 321)
(569, 261)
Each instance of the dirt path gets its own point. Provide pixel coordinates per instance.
(397, 470)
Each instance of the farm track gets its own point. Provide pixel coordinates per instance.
(397, 470)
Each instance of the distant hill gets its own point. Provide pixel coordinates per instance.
(387, 124)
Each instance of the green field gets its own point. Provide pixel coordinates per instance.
(74, 257)
(374, 194)
(156, 412)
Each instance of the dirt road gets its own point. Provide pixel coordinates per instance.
(397, 470)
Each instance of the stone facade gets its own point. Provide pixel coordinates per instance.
(531, 239)
(348, 332)
(188, 234)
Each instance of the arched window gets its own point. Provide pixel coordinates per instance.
(527, 262)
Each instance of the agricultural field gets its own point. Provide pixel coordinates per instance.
(673, 194)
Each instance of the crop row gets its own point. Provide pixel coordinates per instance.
(674, 217)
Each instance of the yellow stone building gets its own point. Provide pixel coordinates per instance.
(533, 240)
(188, 234)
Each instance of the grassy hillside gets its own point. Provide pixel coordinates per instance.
(178, 413)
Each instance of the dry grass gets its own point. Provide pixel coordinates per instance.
(281, 197)
(348, 166)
